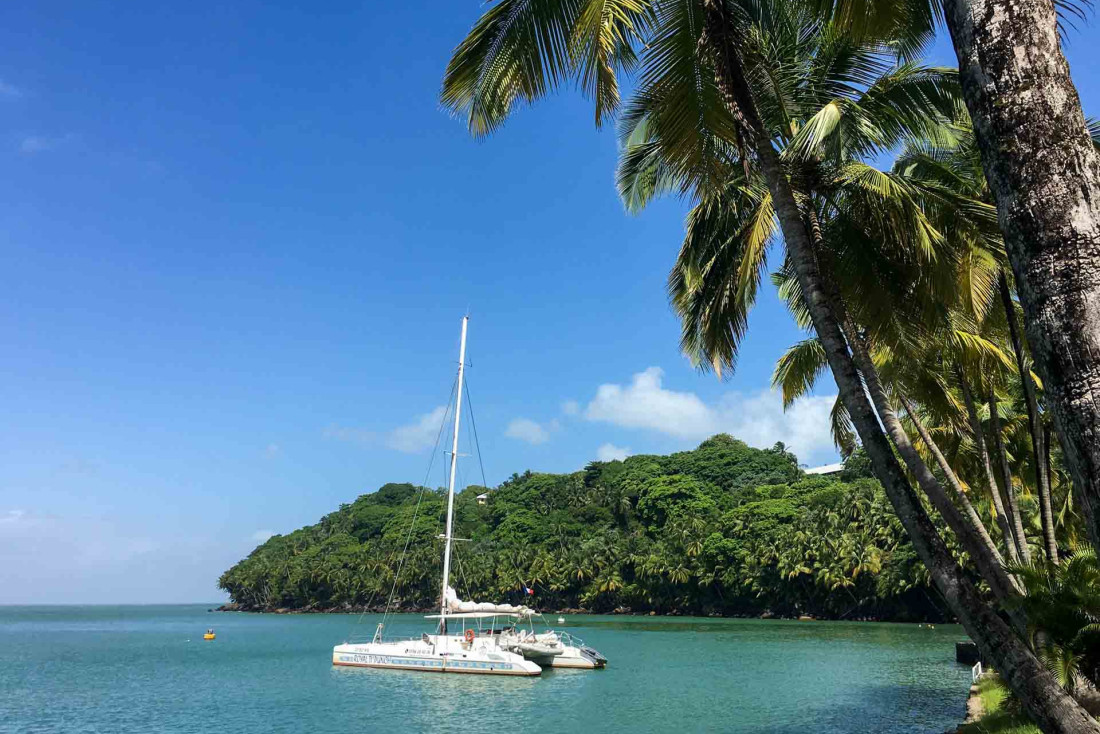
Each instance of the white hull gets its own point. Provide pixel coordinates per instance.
(554, 650)
(572, 657)
(436, 654)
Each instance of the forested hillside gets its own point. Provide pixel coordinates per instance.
(724, 529)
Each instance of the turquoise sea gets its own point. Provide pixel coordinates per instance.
(146, 669)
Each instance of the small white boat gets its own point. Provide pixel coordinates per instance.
(552, 649)
(561, 619)
(576, 654)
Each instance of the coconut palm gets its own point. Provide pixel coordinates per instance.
(957, 168)
(698, 85)
(814, 103)
(1044, 173)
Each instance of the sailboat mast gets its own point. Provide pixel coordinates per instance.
(451, 483)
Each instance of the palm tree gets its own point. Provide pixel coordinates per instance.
(694, 74)
(1044, 173)
(956, 168)
(812, 103)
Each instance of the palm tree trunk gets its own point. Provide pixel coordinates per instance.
(1042, 475)
(1046, 459)
(987, 465)
(952, 478)
(1044, 174)
(1050, 706)
(1006, 480)
(977, 543)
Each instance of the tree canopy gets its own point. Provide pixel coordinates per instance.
(723, 529)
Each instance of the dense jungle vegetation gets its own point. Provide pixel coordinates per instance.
(724, 529)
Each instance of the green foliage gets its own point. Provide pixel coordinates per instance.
(1062, 602)
(1000, 711)
(723, 529)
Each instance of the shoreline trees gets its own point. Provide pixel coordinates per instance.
(724, 529)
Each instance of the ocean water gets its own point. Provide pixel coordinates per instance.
(147, 669)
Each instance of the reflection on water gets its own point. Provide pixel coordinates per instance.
(138, 669)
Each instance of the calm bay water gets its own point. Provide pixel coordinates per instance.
(146, 669)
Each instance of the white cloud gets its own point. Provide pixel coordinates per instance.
(9, 90)
(611, 452)
(645, 404)
(349, 434)
(757, 419)
(261, 536)
(525, 429)
(570, 407)
(418, 435)
(271, 451)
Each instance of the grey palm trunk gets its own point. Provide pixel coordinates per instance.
(987, 465)
(1038, 439)
(956, 485)
(1051, 707)
(1044, 174)
(1013, 506)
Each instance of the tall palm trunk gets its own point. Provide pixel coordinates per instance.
(1047, 438)
(1044, 699)
(1044, 174)
(987, 466)
(952, 478)
(1014, 518)
(1042, 475)
(976, 542)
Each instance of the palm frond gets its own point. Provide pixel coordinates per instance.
(977, 347)
(602, 46)
(797, 370)
(714, 282)
(642, 174)
(844, 434)
(517, 51)
(690, 126)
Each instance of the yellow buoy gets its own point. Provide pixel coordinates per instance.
(209, 635)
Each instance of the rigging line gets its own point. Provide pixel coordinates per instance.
(462, 575)
(419, 499)
(365, 608)
(473, 425)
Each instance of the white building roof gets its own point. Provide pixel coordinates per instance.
(827, 469)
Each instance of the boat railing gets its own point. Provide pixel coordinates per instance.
(976, 671)
(383, 638)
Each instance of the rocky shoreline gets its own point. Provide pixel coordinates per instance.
(974, 710)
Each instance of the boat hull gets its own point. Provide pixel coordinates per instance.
(368, 656)
(575, 657)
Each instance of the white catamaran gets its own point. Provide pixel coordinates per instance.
(480, 638)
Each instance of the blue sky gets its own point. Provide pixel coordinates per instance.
(236, 244)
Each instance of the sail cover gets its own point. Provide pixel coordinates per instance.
(456, 605)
